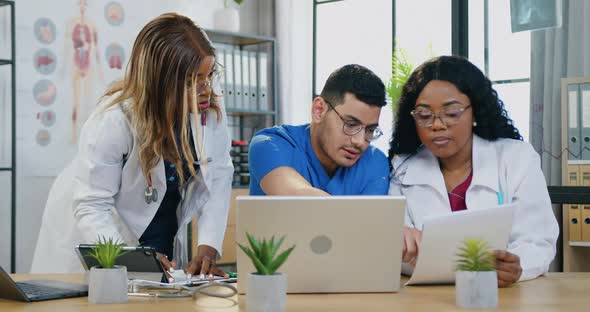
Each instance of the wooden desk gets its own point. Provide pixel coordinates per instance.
(554, 292)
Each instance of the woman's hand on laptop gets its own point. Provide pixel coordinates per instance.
(508, 267)
(412, 238)
(204, 263)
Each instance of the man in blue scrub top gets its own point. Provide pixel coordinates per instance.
(332, 155)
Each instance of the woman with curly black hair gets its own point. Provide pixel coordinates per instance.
(455, 148)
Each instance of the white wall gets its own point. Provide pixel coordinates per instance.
(295, 43)
(32, 191)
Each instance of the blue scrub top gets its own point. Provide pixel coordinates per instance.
(290, 146)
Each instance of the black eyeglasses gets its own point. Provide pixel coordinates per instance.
(448, 116)
(353, 127)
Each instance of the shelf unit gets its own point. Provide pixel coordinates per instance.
(12, 168)
(575, 174)
(248, 82)
(259, 111)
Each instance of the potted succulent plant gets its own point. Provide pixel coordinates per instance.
(476, 281)
(108, 282)
(227, 18)
(267, 289)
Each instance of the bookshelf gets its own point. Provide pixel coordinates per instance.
(248, 82)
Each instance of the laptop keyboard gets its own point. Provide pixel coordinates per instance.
(41, 291)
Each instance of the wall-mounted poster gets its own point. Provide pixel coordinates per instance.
(75, 50)
(69, 52)
(45, 30)
(114, 13)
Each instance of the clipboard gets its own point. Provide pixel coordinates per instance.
(136, 259)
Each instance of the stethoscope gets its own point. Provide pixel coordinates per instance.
(151, 193)
(205, 288)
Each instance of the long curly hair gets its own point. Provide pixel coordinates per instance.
(488, 110)
(160, 82)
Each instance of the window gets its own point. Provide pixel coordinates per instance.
(508, 60)
(423, 34)
(355, 32)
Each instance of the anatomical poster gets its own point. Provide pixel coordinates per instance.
(69, 51)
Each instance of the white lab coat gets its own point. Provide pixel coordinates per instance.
(510, 164)
(102, 193)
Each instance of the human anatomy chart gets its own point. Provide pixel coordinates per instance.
(75, 50)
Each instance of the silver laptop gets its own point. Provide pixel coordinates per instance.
(343, 243)
(38, 290)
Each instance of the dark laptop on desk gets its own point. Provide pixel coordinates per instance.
(38, 290)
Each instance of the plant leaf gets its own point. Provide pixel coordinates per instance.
(265, 249)
(260, 268)
(276, 246)
(276, 263)
(254, 244)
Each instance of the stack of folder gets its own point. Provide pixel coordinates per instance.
(244, 79)
(239, 154)
(578, 167)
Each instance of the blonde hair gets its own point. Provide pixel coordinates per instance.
(160, 86)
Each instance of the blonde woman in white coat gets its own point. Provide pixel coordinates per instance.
(155, 154)
(455, 148)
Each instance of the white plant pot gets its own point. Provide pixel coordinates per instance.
(266, 293)
(107, 285)
(476, 290)
(227, 19)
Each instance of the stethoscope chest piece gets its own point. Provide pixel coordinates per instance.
(151, 195)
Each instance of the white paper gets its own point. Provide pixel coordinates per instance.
(442, 235)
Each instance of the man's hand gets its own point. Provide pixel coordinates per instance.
(508, 267)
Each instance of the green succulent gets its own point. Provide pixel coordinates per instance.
(474, 255)
(401, 69)
(262, 253)
(106, 252)
(226, 2)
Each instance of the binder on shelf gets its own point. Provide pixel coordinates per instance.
(263, 74)
(585, 123)
(245, 80)
(573, 125)
(575, 222)
(221, 77)
(584, 175)
(574, 210)
(585, 209)
(237, 56)
(253, 61)
(573, 175)
(585, 223)
(229, 79)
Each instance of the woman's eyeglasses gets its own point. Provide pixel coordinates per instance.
(448, 116)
